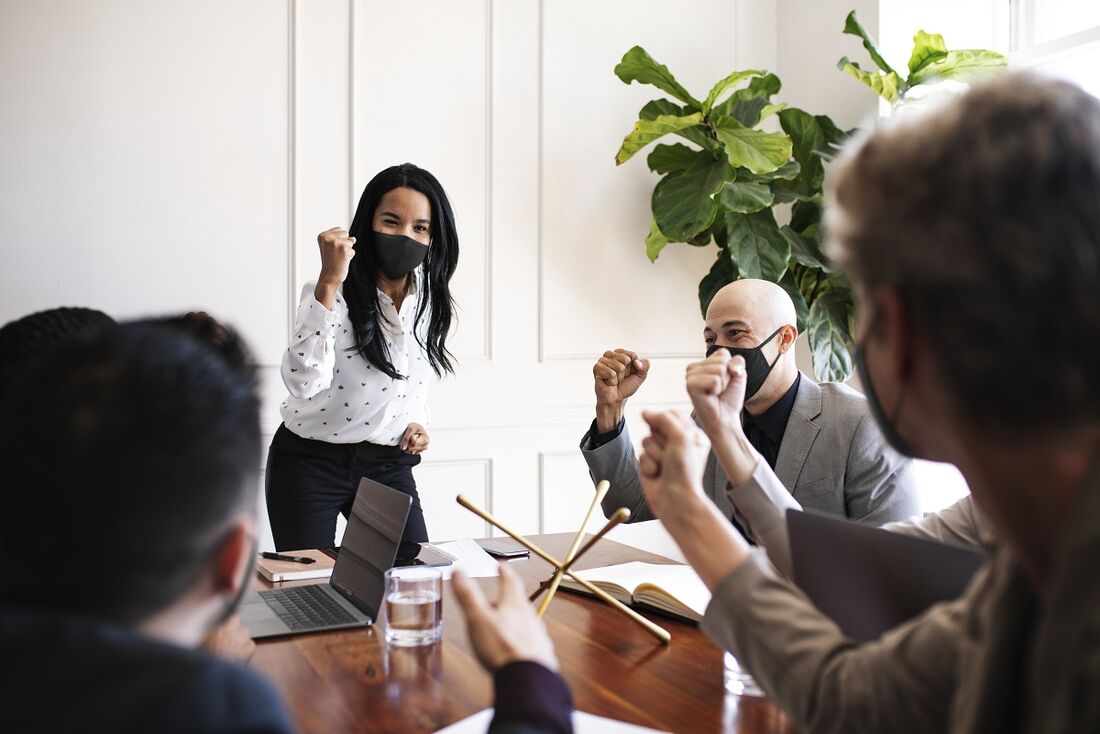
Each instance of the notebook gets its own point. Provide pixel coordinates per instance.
(673, 589)
(321, 568)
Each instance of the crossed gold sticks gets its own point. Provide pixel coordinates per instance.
(562, 569)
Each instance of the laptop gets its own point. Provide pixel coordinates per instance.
(870, 580)
(353, 595)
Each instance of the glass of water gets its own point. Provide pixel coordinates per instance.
(738, 681)
(414, 606)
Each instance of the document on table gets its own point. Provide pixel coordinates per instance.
(582, 724)
(469, 557)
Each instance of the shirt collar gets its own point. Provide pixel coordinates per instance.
(414, 287)
(773, 421)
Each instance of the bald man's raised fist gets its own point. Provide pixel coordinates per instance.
(618, 375)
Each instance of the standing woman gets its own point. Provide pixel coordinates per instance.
(369, 336)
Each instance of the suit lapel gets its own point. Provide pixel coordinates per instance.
(800, 433)
(718, 488)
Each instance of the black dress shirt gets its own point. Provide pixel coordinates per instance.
(765, 431)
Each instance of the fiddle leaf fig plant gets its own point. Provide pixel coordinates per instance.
(726, 178)
(723, 177)
(930, 62)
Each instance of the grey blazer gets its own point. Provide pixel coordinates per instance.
(833, 459)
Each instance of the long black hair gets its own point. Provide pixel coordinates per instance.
(361, 288)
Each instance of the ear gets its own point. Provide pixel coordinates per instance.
(893, 329)
(787, 338)
(233, 557)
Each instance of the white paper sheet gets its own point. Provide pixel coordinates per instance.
(469, 557)
(582, 724)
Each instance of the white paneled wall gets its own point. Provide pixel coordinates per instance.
(161, 157)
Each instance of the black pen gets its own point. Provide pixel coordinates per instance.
(280, 557)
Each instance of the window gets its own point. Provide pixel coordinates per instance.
(1037, 22)
(1058, 37)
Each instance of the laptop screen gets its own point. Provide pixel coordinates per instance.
(370, 543)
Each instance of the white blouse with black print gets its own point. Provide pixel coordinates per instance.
(339, 397)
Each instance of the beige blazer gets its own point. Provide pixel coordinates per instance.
(999, 659)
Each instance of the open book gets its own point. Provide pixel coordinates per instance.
(673, 589)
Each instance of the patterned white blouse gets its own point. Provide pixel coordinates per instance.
(335, 394)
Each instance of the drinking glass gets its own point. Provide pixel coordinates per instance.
(414, 606)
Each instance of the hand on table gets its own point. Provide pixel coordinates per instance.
(415, 439)
(230, 640)
(505, 631)
(618, 375)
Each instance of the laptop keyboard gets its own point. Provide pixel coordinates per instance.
(306, 607)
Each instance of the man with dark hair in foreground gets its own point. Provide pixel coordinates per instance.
(129, 534)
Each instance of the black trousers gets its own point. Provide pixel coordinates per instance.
(308, 482)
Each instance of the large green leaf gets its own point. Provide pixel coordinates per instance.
(703, 238)
(726, 85)
(756, 150)
(806, 213)
(683, 203)
(804, 250)
(788, 170)
(790, 284)
(655, 241)
(669, 158)
(698, 134)
(721, 274)
(638, 66)
(745, 105)
(745, 197)
(654, 108)
(829, 336)
(834, 137)
(962, 65)
(853, 27)
(757, 246)
(927, 48)
(770, 109)
(646, 131)
(807, 138)
(888, 86)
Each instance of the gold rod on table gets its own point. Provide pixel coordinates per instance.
(658, 632)
(620, 516)
(601, 491)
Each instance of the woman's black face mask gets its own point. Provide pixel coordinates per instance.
(397, 254)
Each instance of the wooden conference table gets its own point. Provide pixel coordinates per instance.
(349, 681)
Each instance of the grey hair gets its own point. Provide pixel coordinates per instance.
(985, 218)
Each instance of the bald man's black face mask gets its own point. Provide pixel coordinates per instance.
(757, 368)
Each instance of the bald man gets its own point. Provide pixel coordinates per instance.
(817, 442)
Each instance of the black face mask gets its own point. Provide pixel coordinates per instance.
(397, 254)
(757, 368)
(885, 424)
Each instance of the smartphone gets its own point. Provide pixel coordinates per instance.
(503, 549)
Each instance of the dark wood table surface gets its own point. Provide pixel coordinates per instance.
(350, 681)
